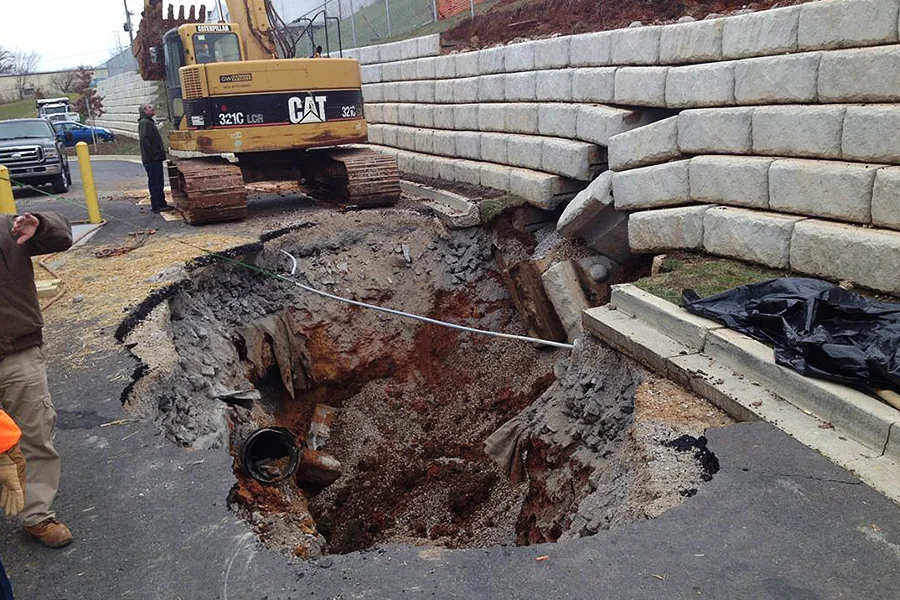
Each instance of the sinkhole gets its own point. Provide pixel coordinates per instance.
(351, 428)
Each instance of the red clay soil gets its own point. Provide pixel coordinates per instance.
(511, 19)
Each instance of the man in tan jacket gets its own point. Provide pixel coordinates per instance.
(24, 394)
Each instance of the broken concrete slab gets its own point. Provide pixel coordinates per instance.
(565, 294)
(454, 210)
(586, 207)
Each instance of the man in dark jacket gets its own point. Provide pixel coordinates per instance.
(24, 394)
(153, 153)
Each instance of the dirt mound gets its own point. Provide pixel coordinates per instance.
(509, 20)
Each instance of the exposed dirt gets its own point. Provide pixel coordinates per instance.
(510, 20)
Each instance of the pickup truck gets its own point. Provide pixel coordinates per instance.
(34, 154)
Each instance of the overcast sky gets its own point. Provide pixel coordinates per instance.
(68, 33)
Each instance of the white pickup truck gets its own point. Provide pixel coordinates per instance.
(56, 109)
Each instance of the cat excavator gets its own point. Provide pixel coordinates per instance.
(237, 88)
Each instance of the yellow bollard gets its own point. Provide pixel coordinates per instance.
(87, 182)
(7, 200)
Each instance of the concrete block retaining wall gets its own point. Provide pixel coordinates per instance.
(122, 95)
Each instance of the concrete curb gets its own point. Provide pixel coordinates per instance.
(739, 375)
(454, 210)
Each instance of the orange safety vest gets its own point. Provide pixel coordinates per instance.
(9, 432)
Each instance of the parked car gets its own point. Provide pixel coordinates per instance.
(34, 153)
(82, 133)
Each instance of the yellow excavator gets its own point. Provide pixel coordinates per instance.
(236, 88)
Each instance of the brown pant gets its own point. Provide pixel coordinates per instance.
(25, 396)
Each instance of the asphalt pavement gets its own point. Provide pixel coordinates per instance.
(151, 521)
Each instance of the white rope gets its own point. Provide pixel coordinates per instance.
(400, 313)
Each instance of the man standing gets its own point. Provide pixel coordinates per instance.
(153, 153)
(24, 394)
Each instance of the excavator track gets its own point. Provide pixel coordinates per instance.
(207, 190)
(353, 176)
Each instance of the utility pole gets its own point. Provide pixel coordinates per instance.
(128, 26)
(387, 12)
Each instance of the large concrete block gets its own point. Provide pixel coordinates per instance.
(444, 143)
(552, 53)
(590, 49)
(842, 24)
(445, 67)
(553, 86)
(587, 207)
(802, 131)
(866, 257)
(374, 113)
(560, 283)
(494, 147)
(465, 90)
(635, 46)
(423, 116)
(490, 60)
(406, 114)
(825, 189)
(700, 85)
(886, 198)
(641, 86)
(539, 189)
(597, 124)
(373, 92)
(409, 48)
(698, 41)
(576, 160)
(864, 134)
(731, 180)
(426, 68)
(375, 133)
(447, 169)
(715, 131)
(370, 55)
(491, 88)
(424, 141)
(651, 144)
(652, 187)
(558, 119)
(391, 52)
(519, 57)
(425, 91)
(777, 79)
(763, 238)
(666, 229)
(762, 33)
(522, 118)
(495, 176)
(428, 45)
(594, 85)
(426, 166)
(492, 117)
(524, 151)
(467, 171)
(390, 137)
(408, 70)
(443, 91)
(408, 91)
(468, 145)
(465, 117)
(467, 64)
(370, 74)
(406, 138)
(863, 75)
(520, 87)
(444, 117)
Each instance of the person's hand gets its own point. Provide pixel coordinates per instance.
(24, 227)
(12, 479)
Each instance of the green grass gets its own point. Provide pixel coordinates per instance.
(705, 275)
(23, 109)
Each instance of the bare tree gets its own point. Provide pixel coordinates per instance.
(6, 60)
(23, 65)
(65, 81)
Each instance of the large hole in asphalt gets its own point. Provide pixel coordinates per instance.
(405, 431)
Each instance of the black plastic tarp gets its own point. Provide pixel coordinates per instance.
(816, 327)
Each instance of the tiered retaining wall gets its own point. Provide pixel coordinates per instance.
(768, 137)
(122, 95)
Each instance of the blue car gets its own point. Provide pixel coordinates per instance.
(82, 133)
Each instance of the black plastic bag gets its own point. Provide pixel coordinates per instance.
(816, 327)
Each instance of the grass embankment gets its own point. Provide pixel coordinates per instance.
(706, 275)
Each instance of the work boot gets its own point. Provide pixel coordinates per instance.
(50, 533)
